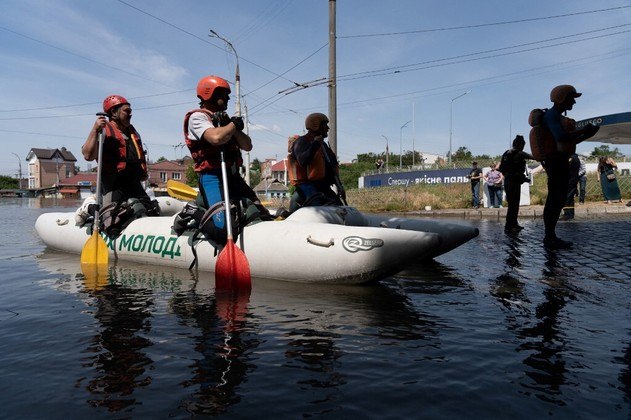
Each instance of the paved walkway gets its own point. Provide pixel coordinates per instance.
(583, 211)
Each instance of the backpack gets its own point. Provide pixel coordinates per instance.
(506, 163)
(542, 144)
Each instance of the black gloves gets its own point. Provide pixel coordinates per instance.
(221, 119)
(238, 123)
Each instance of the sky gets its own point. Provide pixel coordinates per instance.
(402, 69)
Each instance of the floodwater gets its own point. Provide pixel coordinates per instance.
(498, 327)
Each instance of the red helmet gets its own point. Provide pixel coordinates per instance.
(207, 85)
(112, 101)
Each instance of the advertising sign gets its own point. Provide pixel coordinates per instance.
(406, 179)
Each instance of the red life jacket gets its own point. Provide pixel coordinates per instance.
(207, 156)
(115, 157)
(314, 171)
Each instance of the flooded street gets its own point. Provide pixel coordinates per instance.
(498, 327)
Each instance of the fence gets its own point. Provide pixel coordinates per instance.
(459, 195)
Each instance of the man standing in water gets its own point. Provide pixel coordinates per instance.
(513, 166)
(557, 164)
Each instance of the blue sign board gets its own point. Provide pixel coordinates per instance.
(406, 179)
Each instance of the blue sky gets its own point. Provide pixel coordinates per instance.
(397, 61)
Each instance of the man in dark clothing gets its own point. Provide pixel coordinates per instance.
(557, 164)
(475, 176)
(313, 167)
(513, 166)
(582, 180)
(572, 189)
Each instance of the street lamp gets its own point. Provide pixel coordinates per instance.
(451, 108)
(19, 170)
(387, 152)
(237, 84)
(401, 144)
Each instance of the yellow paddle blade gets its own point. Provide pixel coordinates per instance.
(95, 250)
(95, 276)
(180, 190)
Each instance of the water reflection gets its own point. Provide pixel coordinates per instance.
(625, 374)
(310, 327)
(508, 287)
(117, 351)
(545, 342)
(224, 343)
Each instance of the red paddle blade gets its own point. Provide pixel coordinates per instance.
(232, 307)
(232, 269)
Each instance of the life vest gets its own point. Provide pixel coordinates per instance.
(205, 155)
(115, 157)
(542, 143)
(314, 171)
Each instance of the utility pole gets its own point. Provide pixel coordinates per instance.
(413, 134)
(401, 144)
(451, 113)
(387, 152)
(19, 170)
(237, 86)
(332, 80)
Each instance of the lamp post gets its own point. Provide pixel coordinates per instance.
(387, 152)
(451, 112)
(237, 85)
(401, 144)
(19, 170)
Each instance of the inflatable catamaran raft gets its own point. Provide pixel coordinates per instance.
(337, 245)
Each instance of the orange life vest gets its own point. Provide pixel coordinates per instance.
(115, 157)
(542, 143)
(205, 155)
(314, 171)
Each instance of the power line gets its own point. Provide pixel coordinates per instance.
(508, 22)
(81, 56)
(399, 68)
(197, 37)
(92, 103)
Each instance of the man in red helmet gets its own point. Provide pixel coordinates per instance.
(124, 164)
(557, 165)
(313, 167)
(207, 131)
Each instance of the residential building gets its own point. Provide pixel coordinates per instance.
(161, 172)
(81, 185)
(49, 167)
(269, 189)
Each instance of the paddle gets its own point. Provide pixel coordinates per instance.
(232, 269)
(95, 251)
(180, 190)
(341, 193)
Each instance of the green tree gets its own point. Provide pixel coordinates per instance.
(8, 183)
(191, 176)
(462, 154)
(605, 151)
(255, 172)
(161, 159)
